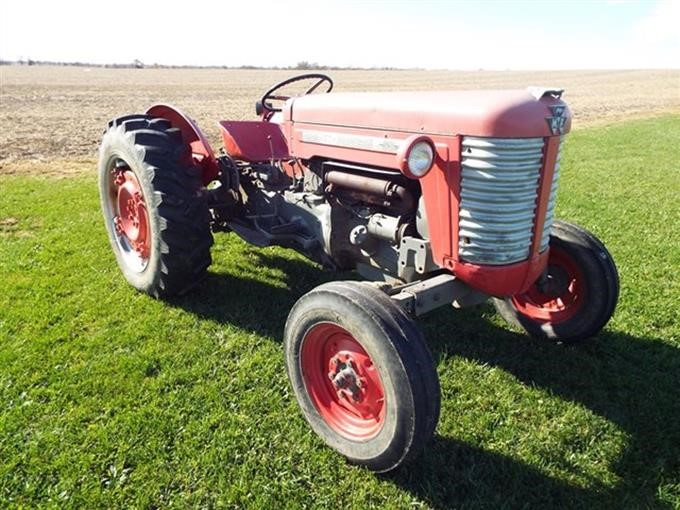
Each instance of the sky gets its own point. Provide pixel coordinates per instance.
(430, 34)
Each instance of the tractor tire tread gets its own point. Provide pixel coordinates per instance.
(184, 235)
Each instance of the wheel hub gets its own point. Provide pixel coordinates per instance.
(344, 377)
(555, 283)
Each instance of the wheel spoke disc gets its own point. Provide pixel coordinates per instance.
(560, 297)
(343, 382)
(130, 218)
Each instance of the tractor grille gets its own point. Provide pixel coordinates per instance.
(498, 191)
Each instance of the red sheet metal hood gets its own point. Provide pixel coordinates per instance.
(503, 113)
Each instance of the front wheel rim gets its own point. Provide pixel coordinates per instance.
(560, 296)
(128, 216)
(342, 382)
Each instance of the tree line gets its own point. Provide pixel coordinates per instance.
(138, 64)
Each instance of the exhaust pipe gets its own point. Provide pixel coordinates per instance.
(390, 193)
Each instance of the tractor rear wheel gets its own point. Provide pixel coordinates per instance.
(362, 374)
(155, 214)
(578, 295)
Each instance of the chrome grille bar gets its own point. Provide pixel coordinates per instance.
(498, 192)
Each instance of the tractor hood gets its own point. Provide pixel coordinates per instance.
(501, 113)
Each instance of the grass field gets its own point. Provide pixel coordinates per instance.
(109, 398)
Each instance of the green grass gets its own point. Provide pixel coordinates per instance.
(109, 398)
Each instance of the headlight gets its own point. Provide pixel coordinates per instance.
(420, 158)
(416, 156)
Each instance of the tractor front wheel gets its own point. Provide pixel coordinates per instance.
(575, 298)
(155, 214)
(362, 374)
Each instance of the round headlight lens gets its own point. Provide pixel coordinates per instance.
(420, 158)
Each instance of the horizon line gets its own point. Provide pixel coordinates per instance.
(308, 66)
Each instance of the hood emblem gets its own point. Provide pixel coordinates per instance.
(558, 119)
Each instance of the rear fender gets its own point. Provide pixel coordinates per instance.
(201, 152)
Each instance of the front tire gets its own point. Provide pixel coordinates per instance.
(155, 214)
(362, 374)
(579, 294)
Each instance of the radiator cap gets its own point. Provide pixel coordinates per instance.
(540, 92)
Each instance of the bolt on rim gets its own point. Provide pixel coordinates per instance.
(342, 382)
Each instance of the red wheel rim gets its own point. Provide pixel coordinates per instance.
(129, 216)
(560, 297)
(342, 382)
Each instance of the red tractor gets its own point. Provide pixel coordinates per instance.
(436, 198)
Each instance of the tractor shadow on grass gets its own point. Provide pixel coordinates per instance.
(452, 474)
(631, 382)
(251, 301)
(634, 383)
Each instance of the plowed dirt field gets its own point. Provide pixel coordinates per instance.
(51, 118)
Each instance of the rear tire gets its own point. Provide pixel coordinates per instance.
(579, 296)
(155, 214)
(362, 374)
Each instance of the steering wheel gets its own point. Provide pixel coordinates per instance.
(270, 94)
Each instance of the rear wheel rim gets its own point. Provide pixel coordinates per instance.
(560, 297)
(342, 382)
(128, 215)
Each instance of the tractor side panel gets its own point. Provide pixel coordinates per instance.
(365, 146)
(441, 194)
